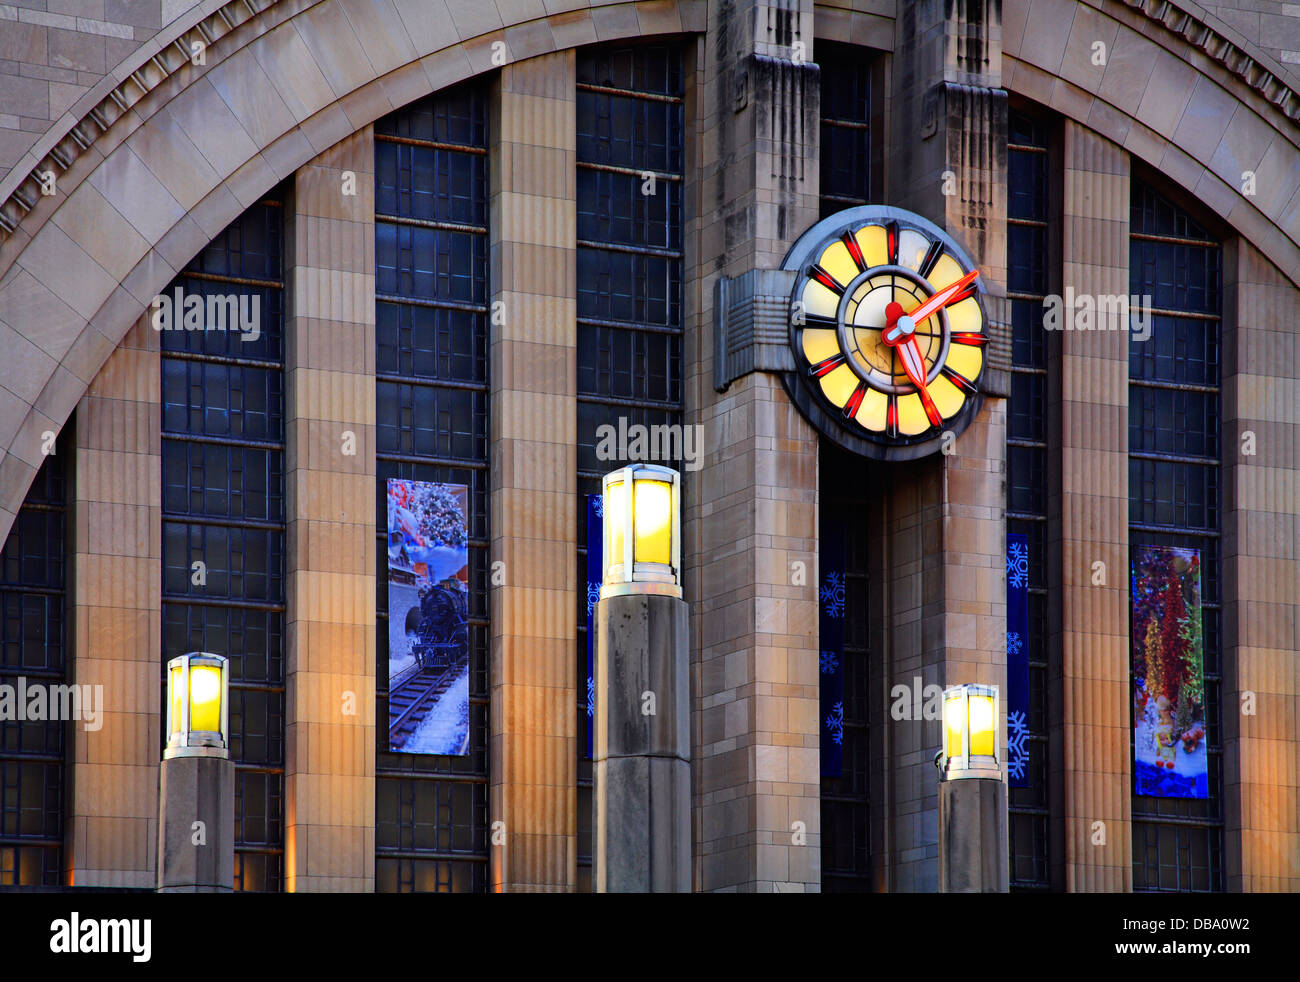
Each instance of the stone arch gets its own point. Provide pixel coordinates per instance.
(1181, 92)
(193, 146)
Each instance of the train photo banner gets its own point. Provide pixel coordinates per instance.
(428, 618)
(1169, 747)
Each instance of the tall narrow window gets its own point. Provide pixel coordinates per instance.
(1027, 285)
(845, 792)
(33, 585)
(629, 186)
(431, 371)
(223, 508)
(1174, 501)
(845, 796)
(846, 126)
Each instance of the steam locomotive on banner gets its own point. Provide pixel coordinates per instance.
(438, 628)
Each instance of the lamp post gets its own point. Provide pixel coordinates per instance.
(972, 794)
(196, 794)
(642, 752)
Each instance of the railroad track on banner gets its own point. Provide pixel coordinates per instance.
(413, 697)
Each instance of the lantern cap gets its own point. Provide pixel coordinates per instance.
(642, 531)
(198, 706)
(971, 731)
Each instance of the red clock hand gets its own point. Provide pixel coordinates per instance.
(900, 333)
(941, 298)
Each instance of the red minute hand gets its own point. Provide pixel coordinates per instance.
(941, 298)
(909, 353)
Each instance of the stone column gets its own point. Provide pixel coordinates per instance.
(1088, 523)
(945, 557)
(330, 488)
(114, 608)
(1261, 576)
(750, 512)
(533, 222)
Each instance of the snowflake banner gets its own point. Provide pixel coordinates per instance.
(1170, 757)
(595, 573)
(830, 624)
(1017, 659)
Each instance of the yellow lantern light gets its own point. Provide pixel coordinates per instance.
(642, 538)
(198, 706)
(970, 732)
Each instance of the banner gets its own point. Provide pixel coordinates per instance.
(1169, 754)
(428, 618)
(1017, 659)
(830, 626)
(595, 573)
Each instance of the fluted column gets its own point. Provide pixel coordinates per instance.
(1261, 577)
(534, 485)
(1088, 522)
(114, 610)
(330, 487)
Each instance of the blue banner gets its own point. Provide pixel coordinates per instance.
(830, 627)
(595, 573)
(1017, 659)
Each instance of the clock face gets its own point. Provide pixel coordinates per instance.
(888, 332)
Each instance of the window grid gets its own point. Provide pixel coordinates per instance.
(1175, 483)
(845, 127)
(32, 645)
(629, 186)
(845, 800)
(223, 504)
(431, 223)
(1027, 276)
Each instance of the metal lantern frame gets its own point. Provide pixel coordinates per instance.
(182, 741)
(965, 764)
(626, 573)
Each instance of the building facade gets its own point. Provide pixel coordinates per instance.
(480, 237)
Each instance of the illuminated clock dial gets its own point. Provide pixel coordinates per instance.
(887, 328)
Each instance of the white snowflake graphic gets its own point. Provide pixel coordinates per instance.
(835, 723)
(593, 596)
(1014, 643)
(591, 697)
(829, 662)
(832, 594)
(600, 505)
(1017, 564)
(1017, 751)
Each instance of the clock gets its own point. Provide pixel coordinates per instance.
(888, 331)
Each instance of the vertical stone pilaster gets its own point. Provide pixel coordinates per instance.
(1261, 576)
(946, 525)
(533, 223)
(114, 608)
(1088, 520)
(751, 510)
(330, 630)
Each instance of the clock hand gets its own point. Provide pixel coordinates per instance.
(900, 333)
(941, 298)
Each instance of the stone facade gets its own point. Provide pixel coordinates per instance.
(289, 90)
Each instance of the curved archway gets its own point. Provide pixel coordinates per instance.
(204, 142)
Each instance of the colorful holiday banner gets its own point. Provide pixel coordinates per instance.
(428, 618)
(830, 626)
(1169, 752)
(595, 574)
(1017, 659)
